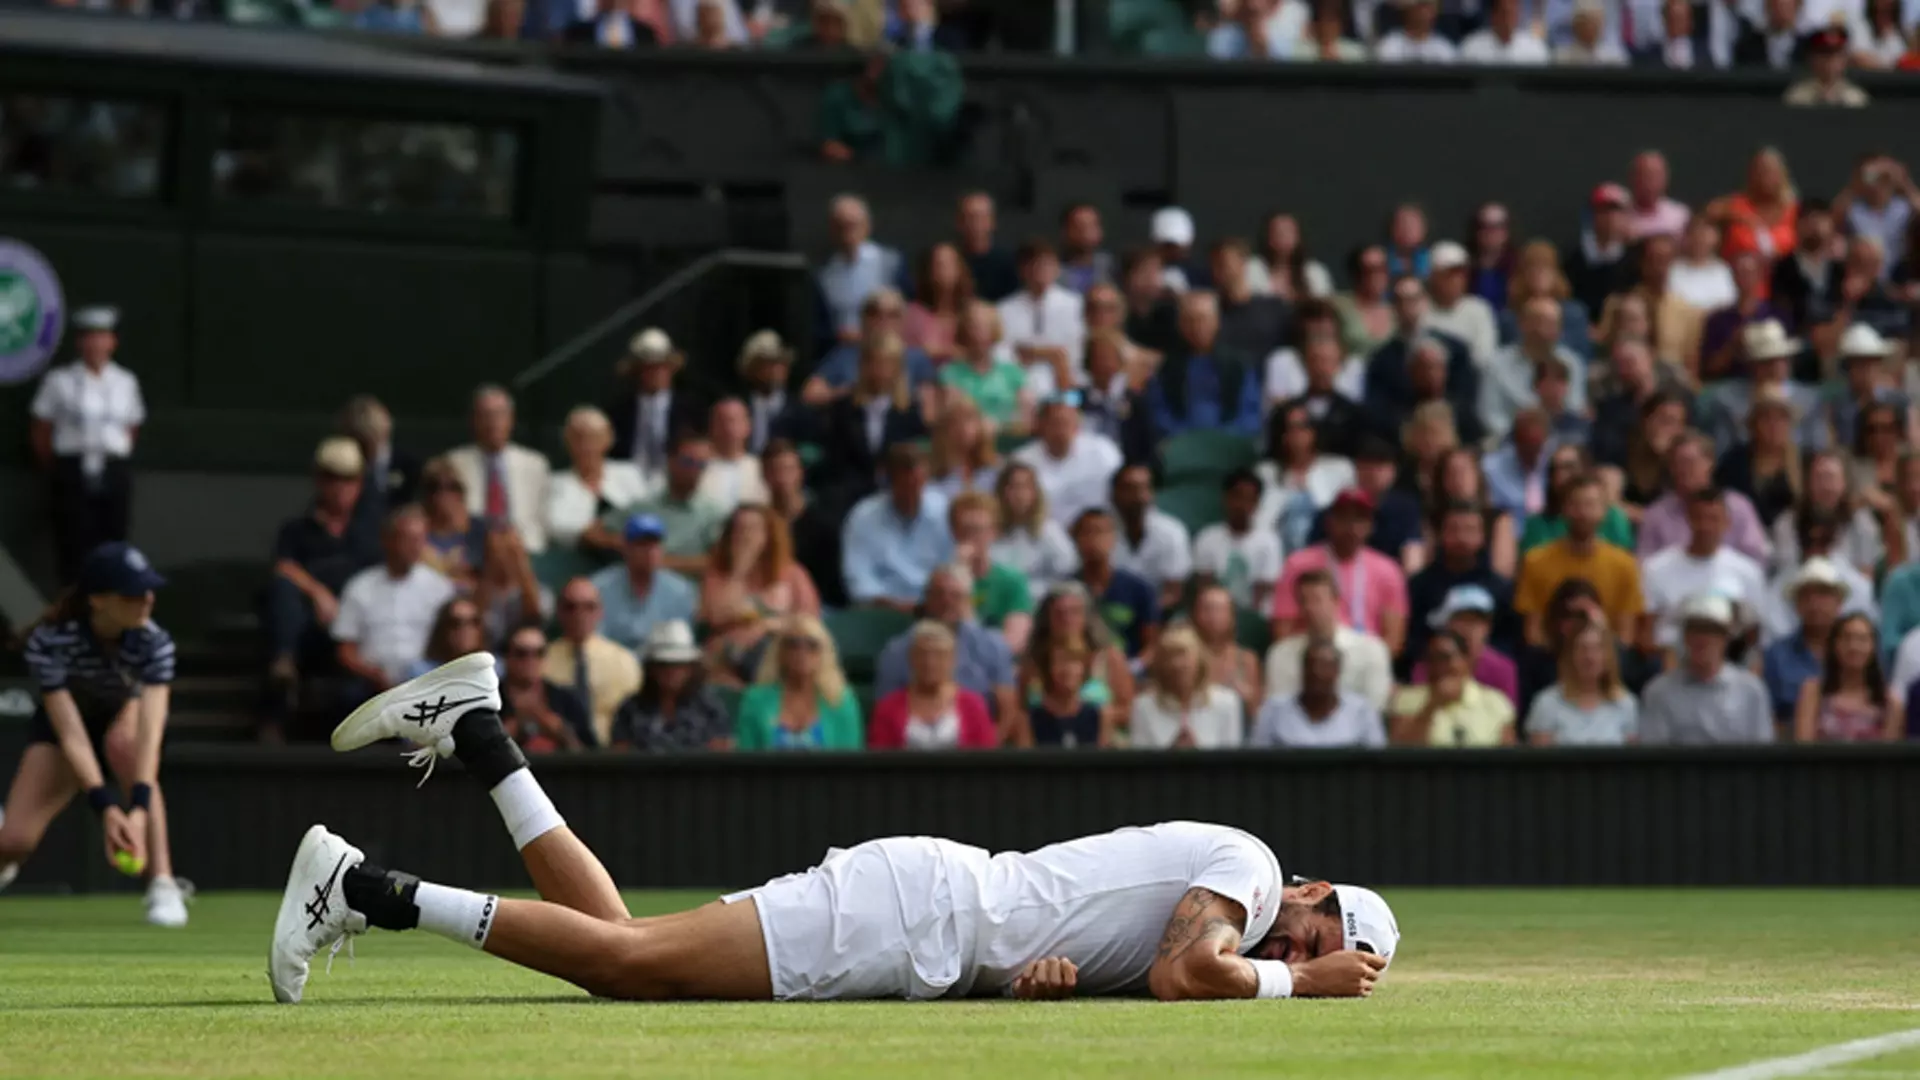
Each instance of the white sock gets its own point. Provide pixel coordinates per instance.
(457, 914)
(525, 808)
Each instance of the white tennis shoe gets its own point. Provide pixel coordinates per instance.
(167, 902)
(424, 710)
(313, 912)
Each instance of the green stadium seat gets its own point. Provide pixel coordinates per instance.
(860, 633)
(1198, 456)
(557, 566)
(1196, 505)
(1253, 631)
(1006, 443)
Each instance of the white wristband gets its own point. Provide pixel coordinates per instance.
(1276, 978)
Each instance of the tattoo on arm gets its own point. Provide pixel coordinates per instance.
(1201, 916)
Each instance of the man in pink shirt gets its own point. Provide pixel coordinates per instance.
(1651, 212)
(1373, 590)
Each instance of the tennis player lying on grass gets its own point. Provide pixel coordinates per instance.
(1181, 910)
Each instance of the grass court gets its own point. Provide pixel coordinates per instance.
(1489, 984)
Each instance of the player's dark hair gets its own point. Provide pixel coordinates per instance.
(1329, 905)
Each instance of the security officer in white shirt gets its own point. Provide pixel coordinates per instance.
(85, 417)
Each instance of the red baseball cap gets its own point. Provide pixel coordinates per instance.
(1353, 498)
(1608, 195)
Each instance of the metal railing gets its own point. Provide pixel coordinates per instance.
(624, 316)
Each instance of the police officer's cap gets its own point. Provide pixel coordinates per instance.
(97, 317)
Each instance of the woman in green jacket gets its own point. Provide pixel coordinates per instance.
(800, 700)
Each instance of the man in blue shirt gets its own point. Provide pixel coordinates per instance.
(1817, 594)
(1200, 387)
(1126, 603)
(1519, 467)
(881, 315)
(640, 594)
(981, 661)
(893, 539)
(857, 268)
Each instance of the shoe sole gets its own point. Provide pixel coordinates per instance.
(351, 733)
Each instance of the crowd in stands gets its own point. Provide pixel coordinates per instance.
(1659, 486)
(1823, 36)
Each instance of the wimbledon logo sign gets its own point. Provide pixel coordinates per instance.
(32, 312)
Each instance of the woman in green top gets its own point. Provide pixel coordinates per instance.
(800, 700)
(1567, 464)
(980, 371)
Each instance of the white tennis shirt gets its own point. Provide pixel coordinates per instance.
(1103, 901)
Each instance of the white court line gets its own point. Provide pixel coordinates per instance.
(1814, 1060)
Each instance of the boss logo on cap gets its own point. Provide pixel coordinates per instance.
(1353, 925)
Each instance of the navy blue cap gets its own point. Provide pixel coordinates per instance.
(118, 568)
(645, 527)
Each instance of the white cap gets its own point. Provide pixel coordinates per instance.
(97, 317)
(1863, 340)
(764, 345)
(1708, 608)
(671, 643)
(1820, 572)
(1446, 255)
(1366, 922)
(1459, 599)
(1172, 225)
(651, 346)
(338, 455)
(1768, 340)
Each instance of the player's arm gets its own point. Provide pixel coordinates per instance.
(1199, 956)
(1199, 960)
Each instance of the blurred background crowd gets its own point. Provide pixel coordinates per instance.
(1824, 36)
(1644, 473)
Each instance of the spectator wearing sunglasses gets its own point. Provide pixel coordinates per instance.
(536, 713)
(599, 673)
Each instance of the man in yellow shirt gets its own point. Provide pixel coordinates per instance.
(588, 663)
(1452, 709)
(1580, 554)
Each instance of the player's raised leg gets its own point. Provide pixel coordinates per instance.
(713, 952)
(455, 708)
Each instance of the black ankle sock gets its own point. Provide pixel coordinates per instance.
(385, 897)
(481, 744)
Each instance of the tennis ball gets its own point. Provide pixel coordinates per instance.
(128, 863)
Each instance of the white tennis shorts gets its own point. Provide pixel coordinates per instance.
(873, 921)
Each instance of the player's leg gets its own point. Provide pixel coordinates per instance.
(166, 900)
(563, 869)
(456, 708)
(713, 952)
(42, 786)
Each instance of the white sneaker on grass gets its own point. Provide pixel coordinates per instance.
(423, 710)
(167, 902)
(313, 912)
